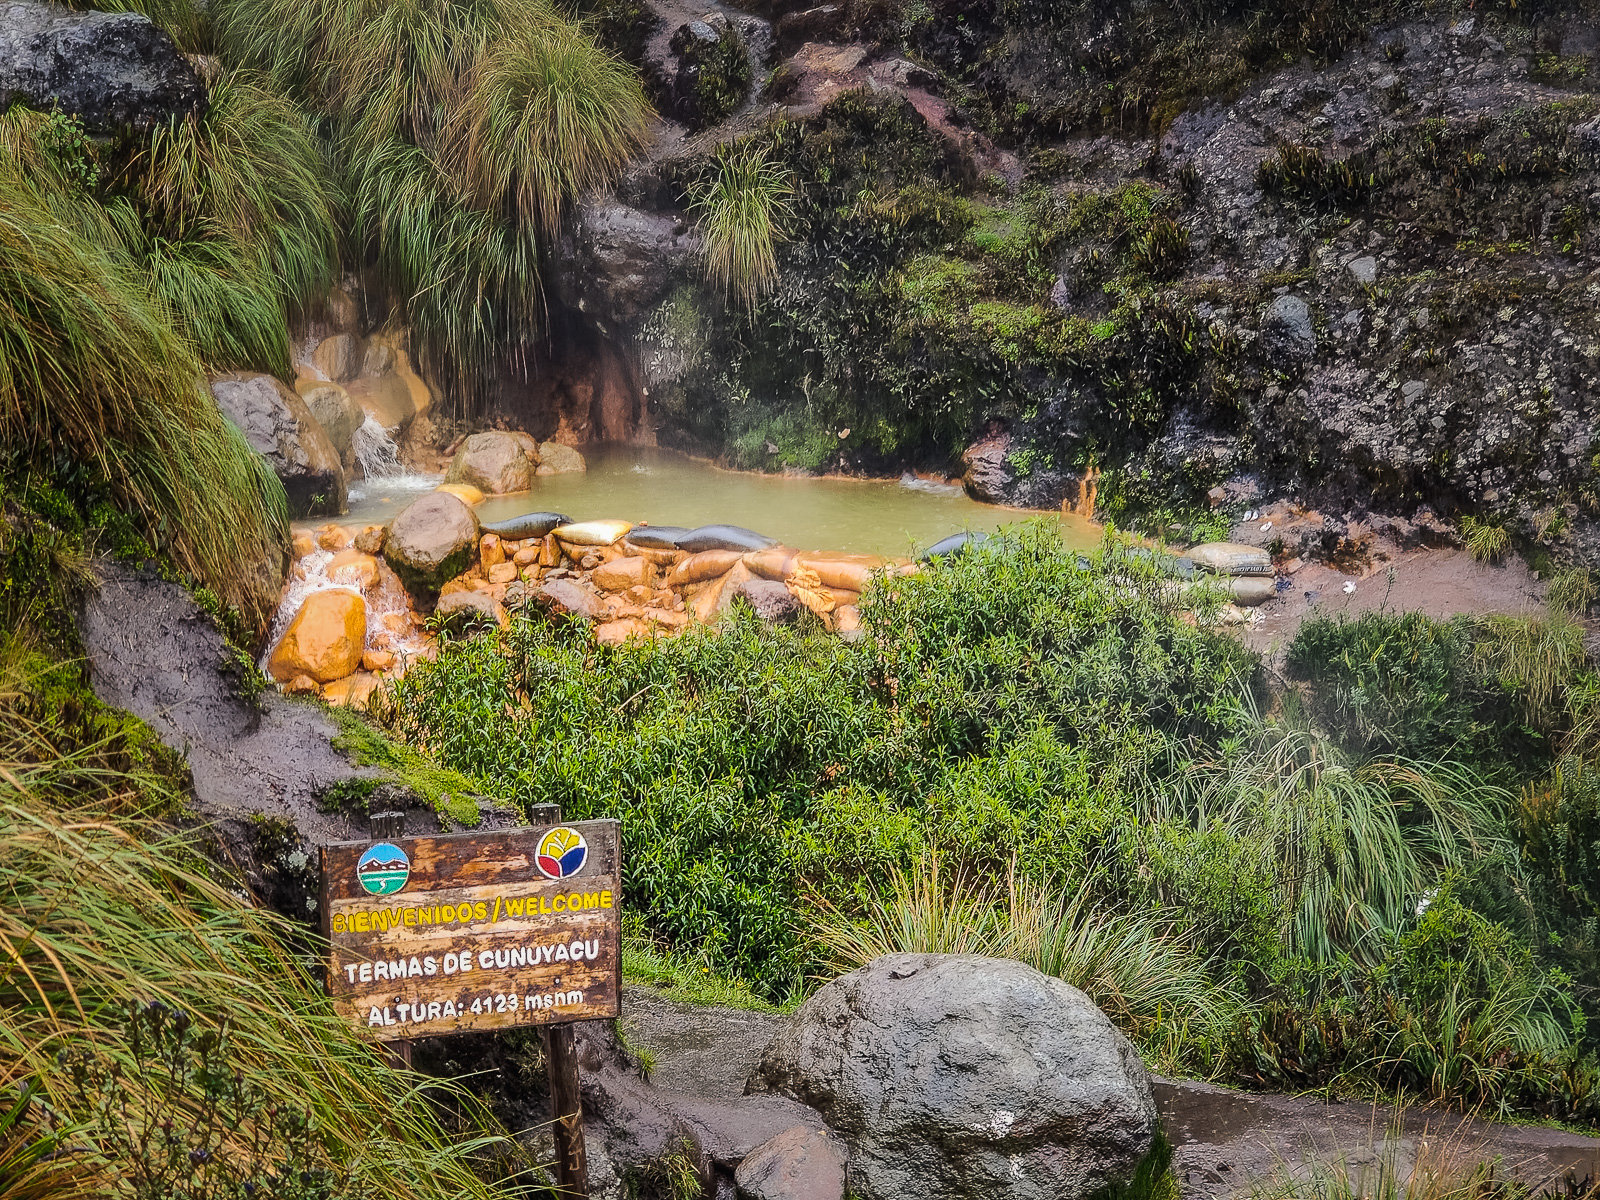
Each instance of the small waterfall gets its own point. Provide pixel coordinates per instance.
(388, 610)
(375, 451)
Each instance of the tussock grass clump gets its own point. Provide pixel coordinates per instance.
(551, 117)
(90, 366)
(1356, 843)
(742, 207)
(249, 170)
(1486, 538)
(1139, 967)
(460, 132)
(180, 1045)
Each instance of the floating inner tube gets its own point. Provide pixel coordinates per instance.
(658, 537)
(724, 537)
(956, 543)
(528, 525)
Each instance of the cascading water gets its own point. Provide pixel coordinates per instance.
(389, 625)
(375, 451)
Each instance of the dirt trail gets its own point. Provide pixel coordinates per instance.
(1440, 583)
(1226, 1143)
(153, 652)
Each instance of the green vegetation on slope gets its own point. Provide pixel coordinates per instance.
(93, 371)
(1035, 757)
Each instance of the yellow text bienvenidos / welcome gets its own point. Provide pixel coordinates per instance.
(510, 909)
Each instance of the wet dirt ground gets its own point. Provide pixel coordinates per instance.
(1440, 583)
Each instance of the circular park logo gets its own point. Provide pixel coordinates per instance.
(562, 852)
(383, 869)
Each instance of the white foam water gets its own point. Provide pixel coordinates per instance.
(932, 487)
(311, 574)
(375, 451)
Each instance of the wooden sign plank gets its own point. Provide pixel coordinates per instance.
(440, 935)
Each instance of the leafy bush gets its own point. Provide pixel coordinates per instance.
(1505, 694)
(753, 763)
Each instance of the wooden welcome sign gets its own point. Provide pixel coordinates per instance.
(440, 935)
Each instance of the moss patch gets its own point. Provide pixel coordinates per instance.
(451, 794)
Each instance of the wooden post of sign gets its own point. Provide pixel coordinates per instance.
(566, 1100)
(390, 826)
(566, 1108)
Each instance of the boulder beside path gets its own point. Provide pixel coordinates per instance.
(952, 1077)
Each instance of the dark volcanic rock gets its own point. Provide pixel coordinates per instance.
(770, 599)
(279, 426)
(110, 70)
(820, 24)
(615, 263)
(1001, 470)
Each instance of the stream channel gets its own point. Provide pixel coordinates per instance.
(643, 484)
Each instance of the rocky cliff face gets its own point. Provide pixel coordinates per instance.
(1348, 259)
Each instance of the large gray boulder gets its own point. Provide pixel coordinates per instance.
(279, 426)
(494, 463)
(431, 541)
(954, 1077)
(110, 70)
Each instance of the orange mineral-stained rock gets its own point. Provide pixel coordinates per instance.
(333, 537)
(377, 660)
(324, 640)
(353, 691)
(490, 551)
(669, 620)
(301, 685)
(303, 544)
(549, 551)
(708, 564)
(528, 556)
(503, 572)
(355, 568)
(622, 573)
(370, 539)
(464, 492)
(847, 572)
(775, 562)
(614, 633)
(713, 601)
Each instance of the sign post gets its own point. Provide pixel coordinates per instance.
(439, 935)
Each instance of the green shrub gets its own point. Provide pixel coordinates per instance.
(752, 763)
(1409, 685)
